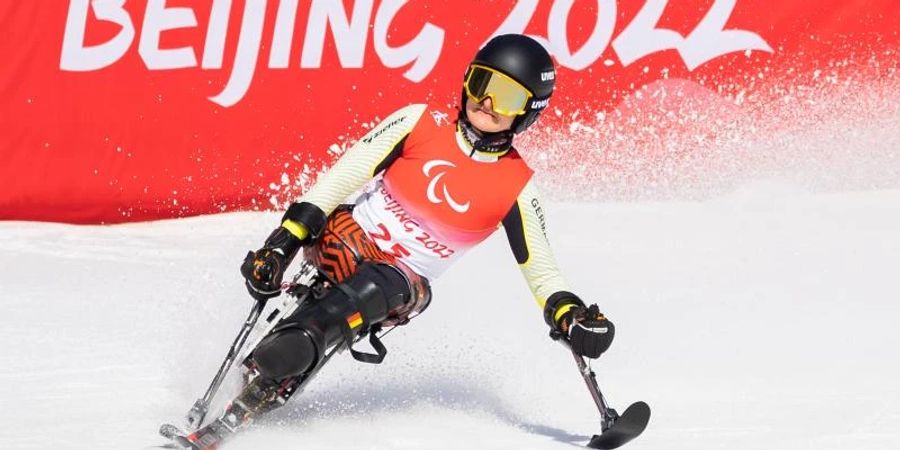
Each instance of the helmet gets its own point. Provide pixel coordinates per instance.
(506, 64)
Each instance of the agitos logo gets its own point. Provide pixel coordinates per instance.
(432, 192)
(639, 38)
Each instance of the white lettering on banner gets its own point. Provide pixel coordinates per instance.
(247, 54)
(423, 50)
(518, 20)
(78, 58)
(710, 39)
(707, 41)
(558, 32)
(279, 57)
(558, 42)
(157, 19)
(214, 47)
(349, 34)
(640, 38)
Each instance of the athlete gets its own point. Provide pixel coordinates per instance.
(433, 186)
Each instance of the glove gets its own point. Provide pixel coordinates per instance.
(590, 333)
(264, 269)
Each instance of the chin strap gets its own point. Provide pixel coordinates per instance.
(494, 143)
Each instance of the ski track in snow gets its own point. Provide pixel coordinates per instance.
(765, 318)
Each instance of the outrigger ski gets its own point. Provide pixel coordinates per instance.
(624, 428)
(616, 430)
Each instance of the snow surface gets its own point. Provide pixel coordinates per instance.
(764, 318)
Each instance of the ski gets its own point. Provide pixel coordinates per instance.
(624, 428)
(616, 430)
(207, 438)
(176, 436)
(170, 431)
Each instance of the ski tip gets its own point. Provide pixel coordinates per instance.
(628, 426)
(170, 431)
(640, 409)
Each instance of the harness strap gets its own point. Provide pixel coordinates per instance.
(380, 349)
(375, 342)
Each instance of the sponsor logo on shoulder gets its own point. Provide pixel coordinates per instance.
(368, 140)
(540, 104)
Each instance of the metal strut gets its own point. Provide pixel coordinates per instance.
(200, 409)
(615, 429)
(608, 416)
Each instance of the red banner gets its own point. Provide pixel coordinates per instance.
(115, 110)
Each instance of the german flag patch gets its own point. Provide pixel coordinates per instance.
(354, 320)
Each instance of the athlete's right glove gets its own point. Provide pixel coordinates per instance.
(264, 269)
(588, 332)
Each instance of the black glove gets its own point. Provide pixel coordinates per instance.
(263, 271)
(590, 333)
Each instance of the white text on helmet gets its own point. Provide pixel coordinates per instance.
(540, 104)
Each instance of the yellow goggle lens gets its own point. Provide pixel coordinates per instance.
(508, 97)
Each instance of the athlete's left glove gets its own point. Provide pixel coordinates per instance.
(588, 332)
(263, 270)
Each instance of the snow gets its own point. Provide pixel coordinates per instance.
(762, 318)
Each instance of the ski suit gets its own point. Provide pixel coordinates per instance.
(424, 197)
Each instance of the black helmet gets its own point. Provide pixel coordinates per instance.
(526, 61)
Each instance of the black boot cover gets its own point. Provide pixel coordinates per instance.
(346, 311)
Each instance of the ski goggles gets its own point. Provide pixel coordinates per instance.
(508, 96)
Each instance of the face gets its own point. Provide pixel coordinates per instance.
(484, 119)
